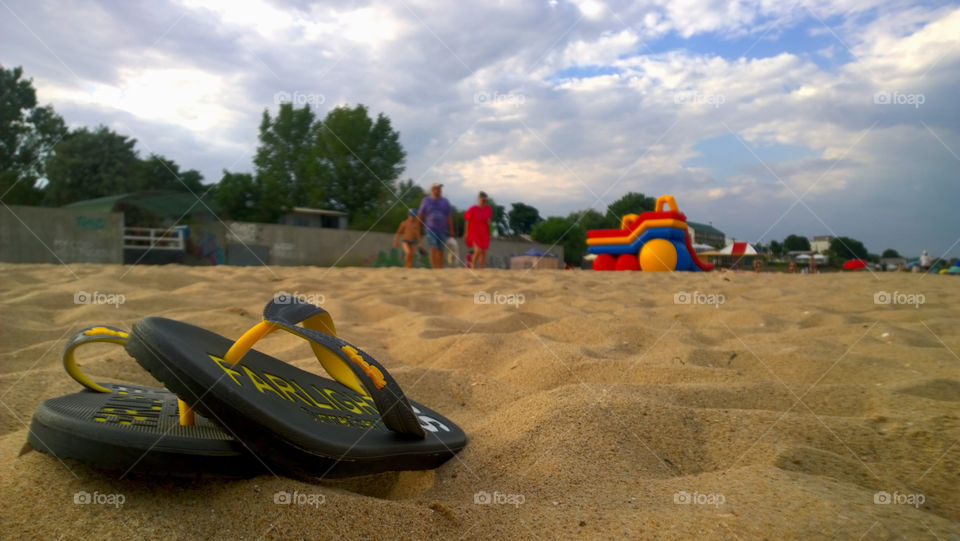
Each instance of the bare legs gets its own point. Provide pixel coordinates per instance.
(479, 259)
(407, 255)
(436, 258)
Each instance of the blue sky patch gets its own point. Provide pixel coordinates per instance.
(725, 156)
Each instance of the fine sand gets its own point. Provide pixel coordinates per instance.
(598, 408)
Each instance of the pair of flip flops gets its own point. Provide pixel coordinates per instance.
(254, 413)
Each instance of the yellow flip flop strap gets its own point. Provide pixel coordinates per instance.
(110, 335)
(332, 363)
(86, 336)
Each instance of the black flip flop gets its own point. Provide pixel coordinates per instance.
(132, 428)
(357, 425)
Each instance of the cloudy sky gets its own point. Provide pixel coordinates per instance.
(766, 118)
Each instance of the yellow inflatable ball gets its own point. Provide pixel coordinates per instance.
(658, 255)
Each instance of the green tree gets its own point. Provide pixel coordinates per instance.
(286, 168)
(28, 134)
(522, 218)
(498, 217)
(160, 173)
(796, 243)
(238, 195)
(359, 159)
(591, 219)
(776, 248)
(89, 164)
(890, 252)
(847, 248)
(630, 203)
(459, 223)
(564, 232)
(392, 208)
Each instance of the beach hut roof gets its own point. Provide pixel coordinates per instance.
(164, 203)
(704, 228)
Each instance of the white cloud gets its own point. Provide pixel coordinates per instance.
(590, 9)
(189, 98)
(367, 25)
(258, 16)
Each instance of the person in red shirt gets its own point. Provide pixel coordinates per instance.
(478, 231)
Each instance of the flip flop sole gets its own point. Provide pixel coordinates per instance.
(289, 417)
(136, 429)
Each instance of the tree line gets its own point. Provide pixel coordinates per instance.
(840, 248)
(42, 162)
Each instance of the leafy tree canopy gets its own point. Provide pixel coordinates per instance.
(630, 203)
(847, 248)
(28, 133)
(796, 243)
(522, 218)
(565, 232)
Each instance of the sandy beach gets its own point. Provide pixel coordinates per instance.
(598, 405)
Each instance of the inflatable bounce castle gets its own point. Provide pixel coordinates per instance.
(655, 241)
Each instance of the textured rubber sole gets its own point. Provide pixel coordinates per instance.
(136, 429)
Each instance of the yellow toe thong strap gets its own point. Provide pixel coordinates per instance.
(320, 322)
(110, 335)
(347, 364)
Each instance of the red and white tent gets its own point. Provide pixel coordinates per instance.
(738, 249)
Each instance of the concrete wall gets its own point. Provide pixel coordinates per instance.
(255, 244)
(88, 237)
(55, 235)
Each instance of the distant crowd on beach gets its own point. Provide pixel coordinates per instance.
(923, 265)
(435, 214)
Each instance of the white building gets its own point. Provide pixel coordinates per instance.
(820, 244)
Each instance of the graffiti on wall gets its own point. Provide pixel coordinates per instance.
(81, 250)
(244, 233)
(92, 224)
(207, 247)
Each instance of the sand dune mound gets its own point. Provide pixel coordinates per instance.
(947, 390)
